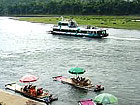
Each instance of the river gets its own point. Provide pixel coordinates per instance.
(27, 48)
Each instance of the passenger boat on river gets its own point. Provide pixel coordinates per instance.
(71, 28)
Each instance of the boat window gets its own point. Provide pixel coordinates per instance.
(62, 24)
(104, 32)
(73, 24)
(89, 32)
(83, 31)
(99, 32)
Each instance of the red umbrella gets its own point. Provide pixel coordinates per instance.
(28, 78)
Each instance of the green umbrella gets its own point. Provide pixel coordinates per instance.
(106, 98)
(76, 70)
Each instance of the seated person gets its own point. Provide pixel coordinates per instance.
(25, 89)
(82, 79)
(78, 78)
(98, 86)
(33, 91)
(87, 82)
(39, 91)
(74, 80)
(29, 86)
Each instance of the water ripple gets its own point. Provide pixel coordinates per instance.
(112, 61)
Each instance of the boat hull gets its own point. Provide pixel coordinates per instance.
(77, 34)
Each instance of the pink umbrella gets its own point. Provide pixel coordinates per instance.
(86, 102)
(28, 78)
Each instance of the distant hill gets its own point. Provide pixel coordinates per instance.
(71, 7)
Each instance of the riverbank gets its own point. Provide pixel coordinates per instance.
(11, 99)
(121, 22)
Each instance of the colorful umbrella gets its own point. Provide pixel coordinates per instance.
(76, 70)
(106, 98)
(86, 102)
(28, 78)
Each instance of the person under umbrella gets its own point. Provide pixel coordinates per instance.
(79, 80)
(29, 88)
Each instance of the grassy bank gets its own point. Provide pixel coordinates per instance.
(123, 22)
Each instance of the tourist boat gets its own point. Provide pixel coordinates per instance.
(71, 81)
(44, 97)
(71, 28)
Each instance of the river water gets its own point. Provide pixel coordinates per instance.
(27, 48)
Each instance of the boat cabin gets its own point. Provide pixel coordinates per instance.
(69, 23)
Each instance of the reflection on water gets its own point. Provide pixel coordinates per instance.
(113, 61)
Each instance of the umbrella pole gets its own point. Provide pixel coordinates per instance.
(29, 84)
(76, 75)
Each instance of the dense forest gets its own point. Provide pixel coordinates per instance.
(71, 7)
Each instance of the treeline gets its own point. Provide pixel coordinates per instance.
(71, 7)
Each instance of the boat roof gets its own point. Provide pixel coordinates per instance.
(67, 21)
